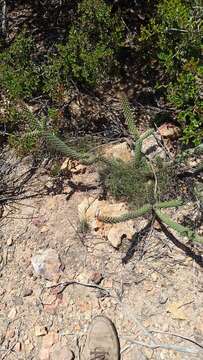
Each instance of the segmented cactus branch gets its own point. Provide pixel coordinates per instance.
(169, 204)
(59, 146)
(127, 216)
(129, 117)
(138, 145)
(182, 230)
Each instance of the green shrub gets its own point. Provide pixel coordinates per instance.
(173, 37)
(18, 74)
(90, 53)
(185, 95)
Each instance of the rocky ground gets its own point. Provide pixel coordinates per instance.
(56, 275)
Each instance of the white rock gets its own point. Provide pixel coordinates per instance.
(47, 264)
(151, 149)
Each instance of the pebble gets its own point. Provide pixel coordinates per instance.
(96, 277)
(10, 241)
(40, 330)
(27, 292)
(154, 277)
(18, 347)
(10, 333)
(12, 314)
(163, 299)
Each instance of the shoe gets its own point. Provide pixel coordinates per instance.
(102, 341)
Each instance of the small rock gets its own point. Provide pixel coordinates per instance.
(154, 277)
(12, 314)
(17, 347)
(157, 226)
(119, 232)
(179, 257)
(151, 149)
(10, 333)
(120, 151)
(27, 292)
(163, 299)
(10, 241)
(75, 109)
(170, 131)
(66, 166)
(96, 277)
(47, 264)
(79, 169)
(40, 330)
(148, 286)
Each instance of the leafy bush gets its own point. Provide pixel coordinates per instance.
(89, 54)
(185, 95)
(18, 73)
(173, 37)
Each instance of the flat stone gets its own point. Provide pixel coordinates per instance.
(120, 231)
(120, 151)
(47, 264)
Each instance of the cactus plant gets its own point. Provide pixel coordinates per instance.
(153, 208)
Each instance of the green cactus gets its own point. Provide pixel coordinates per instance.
(182, 230)
(169, 204)
(127, 216)
(140, 161)
(129, 117)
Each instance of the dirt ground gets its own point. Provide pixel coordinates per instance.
(155, 298)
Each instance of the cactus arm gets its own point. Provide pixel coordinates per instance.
(169, 204)
(138, 145)
(129, 117)
(127, 216)
(182, 230)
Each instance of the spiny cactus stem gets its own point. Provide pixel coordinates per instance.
(182, 230)
(169, 204)
(127, 216)
(146, 134)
